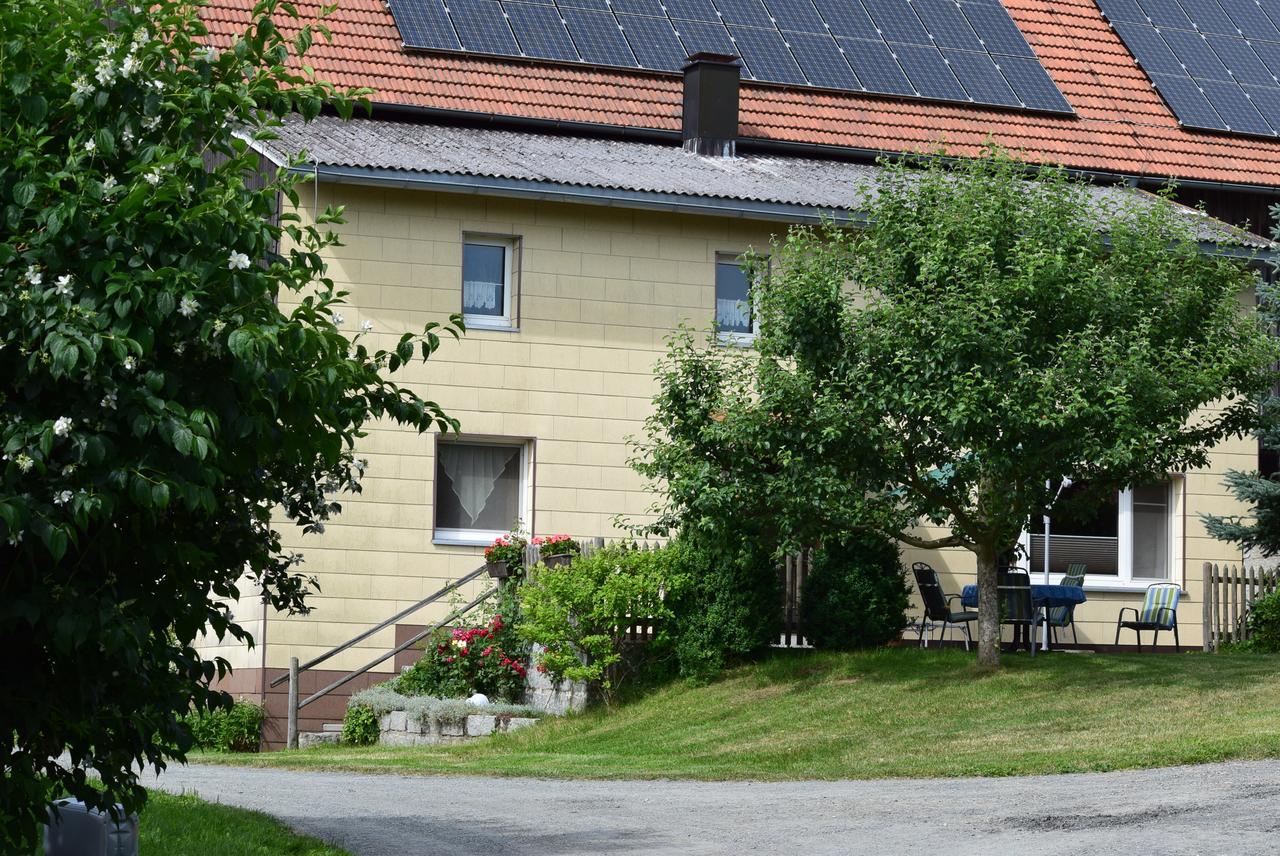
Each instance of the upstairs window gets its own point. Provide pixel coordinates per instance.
(488, 281)
(735, 318)
(481, 490)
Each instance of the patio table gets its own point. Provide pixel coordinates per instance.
(1043, 596)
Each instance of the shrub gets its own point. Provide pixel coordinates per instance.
(457, 663)
(730, 610)
(580, 613)
(383, 698)
(855, 595)
(360, 725)
(234, 729)
(1264, 623)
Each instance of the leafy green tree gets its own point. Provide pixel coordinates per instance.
(172, 369)
(934, 375)
(1259, 530)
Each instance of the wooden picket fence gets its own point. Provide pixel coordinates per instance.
(640, 632)
(1229, 594)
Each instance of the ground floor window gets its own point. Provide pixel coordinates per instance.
(481, 490)
(1127, 537)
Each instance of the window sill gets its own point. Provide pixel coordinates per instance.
(490, 326)
(736, 340)
(484, 539)
(1122, 586)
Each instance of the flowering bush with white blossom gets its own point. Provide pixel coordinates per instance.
(171, 371)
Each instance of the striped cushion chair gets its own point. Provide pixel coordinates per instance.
(1065, 616)
(1159, 612)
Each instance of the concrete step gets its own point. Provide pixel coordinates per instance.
(315, 738)
(332, 726)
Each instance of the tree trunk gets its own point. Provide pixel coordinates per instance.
(988, 606)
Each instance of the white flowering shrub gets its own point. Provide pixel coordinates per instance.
(156, 402)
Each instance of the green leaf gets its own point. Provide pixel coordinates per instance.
(24, 193)
(34, 108)
(165, 303)
(182, 440)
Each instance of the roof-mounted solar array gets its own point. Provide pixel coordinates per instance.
(966, 51)
(1216, 63)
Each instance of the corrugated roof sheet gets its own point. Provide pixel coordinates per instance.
(634, 167)
(1122, 125)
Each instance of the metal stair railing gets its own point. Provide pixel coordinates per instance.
(295, 670)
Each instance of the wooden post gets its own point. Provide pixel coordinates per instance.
(1235, 604)
(291, 735)
(1206, 623)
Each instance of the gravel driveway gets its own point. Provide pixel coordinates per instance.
(1216, 809)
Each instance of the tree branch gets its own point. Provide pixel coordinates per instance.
(931, 544)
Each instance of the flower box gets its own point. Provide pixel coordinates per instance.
(498, 570)
(559, 560)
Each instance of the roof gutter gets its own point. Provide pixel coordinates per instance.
(822, 151)
(524, 188)
(677, 203)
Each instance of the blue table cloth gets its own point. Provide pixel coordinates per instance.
(1041, 595)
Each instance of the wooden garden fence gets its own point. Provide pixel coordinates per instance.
(1229, 595)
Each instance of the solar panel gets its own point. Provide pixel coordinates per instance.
(847, 19)
(892, 47)
(996, 29)
(1030, 83)
(598, 38)
(540, 31)
(929, 72)
(897, 21)
(981, 78)
(767, 55)
(947, 24)
(653, 8)
(821, 60)
(704, 37)
(482, 26)
(1216, 63)
(875, 66)
(746, 13)
(797, 16)
(427, 24)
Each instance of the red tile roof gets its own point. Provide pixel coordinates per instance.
(1121, 126)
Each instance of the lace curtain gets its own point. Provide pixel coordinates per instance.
(480, 296)
(733, 316)
(474, 472)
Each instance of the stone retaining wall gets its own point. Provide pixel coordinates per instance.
(397, 728)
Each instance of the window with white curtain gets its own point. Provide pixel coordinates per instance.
(735, 319)
(488, 281)
(480, 490)
(1126, 538)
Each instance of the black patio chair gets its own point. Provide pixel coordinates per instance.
(937, 606)
(1065, 616)
(1159, 612)
(1016, 606)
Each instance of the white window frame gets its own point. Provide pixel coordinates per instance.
(510, 245)
(1124, 580)
(734, 337)
(524, 499)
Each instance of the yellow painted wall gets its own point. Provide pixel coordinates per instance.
(599, 289)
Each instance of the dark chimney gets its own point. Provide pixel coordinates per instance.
(711, 104)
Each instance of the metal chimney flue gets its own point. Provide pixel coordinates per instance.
(711, 104)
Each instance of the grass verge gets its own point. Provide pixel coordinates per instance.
(188, 826)
(899, 712)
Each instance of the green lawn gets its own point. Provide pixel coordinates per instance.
(188, 826)
(902, 712)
